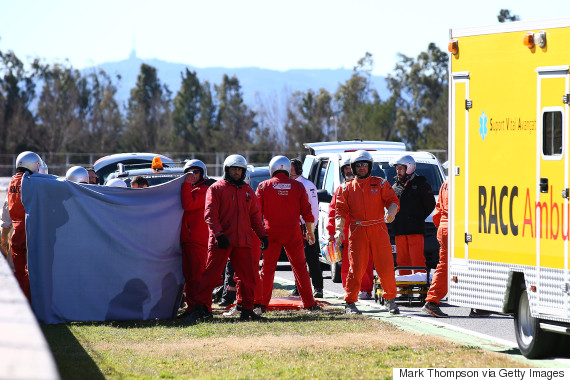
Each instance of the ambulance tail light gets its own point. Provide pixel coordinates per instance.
(453, 47)
(528, 40)
(156, 164)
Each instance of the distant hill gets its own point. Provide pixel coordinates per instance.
(267, 83)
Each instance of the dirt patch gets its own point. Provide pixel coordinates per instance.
(270, 343)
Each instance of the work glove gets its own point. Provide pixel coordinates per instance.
(391, 213)
(264, 243)
(310, 233)
(4, 248)
(4, 245)
(222, 241)
(339, 234)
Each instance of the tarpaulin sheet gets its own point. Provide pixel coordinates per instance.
(98, 253)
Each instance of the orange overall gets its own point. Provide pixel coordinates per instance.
(438, 288)
(362, 201)
(368, 277)
(19, 248)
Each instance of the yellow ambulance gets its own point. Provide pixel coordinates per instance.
(509, 167)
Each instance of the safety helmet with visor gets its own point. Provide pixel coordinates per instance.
(247, 178)
(28, 161)
(236, 161)
(361, 156)
(196, 164)
(77, 174)
(279, 164)
(408, 161)
(43, 168)
(343, 163)
(116, 182)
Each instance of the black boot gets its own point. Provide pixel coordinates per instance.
(199, 313)
(351, 308)
(248, 314)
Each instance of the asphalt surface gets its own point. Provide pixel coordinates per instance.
(496, 326)
(494, 333)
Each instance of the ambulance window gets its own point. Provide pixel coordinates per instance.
(552, 133)
(329, 179)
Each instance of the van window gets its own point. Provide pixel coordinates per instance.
(430, 171)
(329, 179)
(552, 133)
(322, 168)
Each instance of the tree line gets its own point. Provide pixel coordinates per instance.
(53, 108)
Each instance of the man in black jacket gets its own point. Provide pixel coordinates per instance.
(416, 203)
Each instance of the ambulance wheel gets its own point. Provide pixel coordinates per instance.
(533, 342)
(335, 272)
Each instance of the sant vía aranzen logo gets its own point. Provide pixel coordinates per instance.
(483, 125)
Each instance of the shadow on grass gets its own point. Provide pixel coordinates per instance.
(284, 316)
(72, 360)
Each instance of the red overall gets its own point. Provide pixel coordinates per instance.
(256, 252)
(193, 237)
(231, 210)
(19, 249)
(438, 287)
(362, 202)
(368, 277)
(282, 201)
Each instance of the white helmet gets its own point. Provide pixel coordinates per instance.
(29, 161)
(43, 168)
(116, 182)
(235, 160)
(247, 178)
(360, 156)
(77, 174)
(196, 164)
(343, 163)
(279, 163)
(408, 161)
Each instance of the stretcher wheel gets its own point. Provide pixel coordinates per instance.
(375, 292)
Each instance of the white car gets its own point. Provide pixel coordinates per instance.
(108, 164)
(158, 173)
(322, 167)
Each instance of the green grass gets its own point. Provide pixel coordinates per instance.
(293, 344)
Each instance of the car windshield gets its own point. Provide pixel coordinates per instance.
(430, 171)
(156, 179)
(105, 171)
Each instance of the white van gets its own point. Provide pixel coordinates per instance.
(322, 167)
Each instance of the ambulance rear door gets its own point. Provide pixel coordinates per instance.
(551, 234)
(459, 168)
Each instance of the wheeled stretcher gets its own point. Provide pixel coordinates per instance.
(411, 287)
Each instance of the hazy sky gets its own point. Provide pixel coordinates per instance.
(272, 34)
